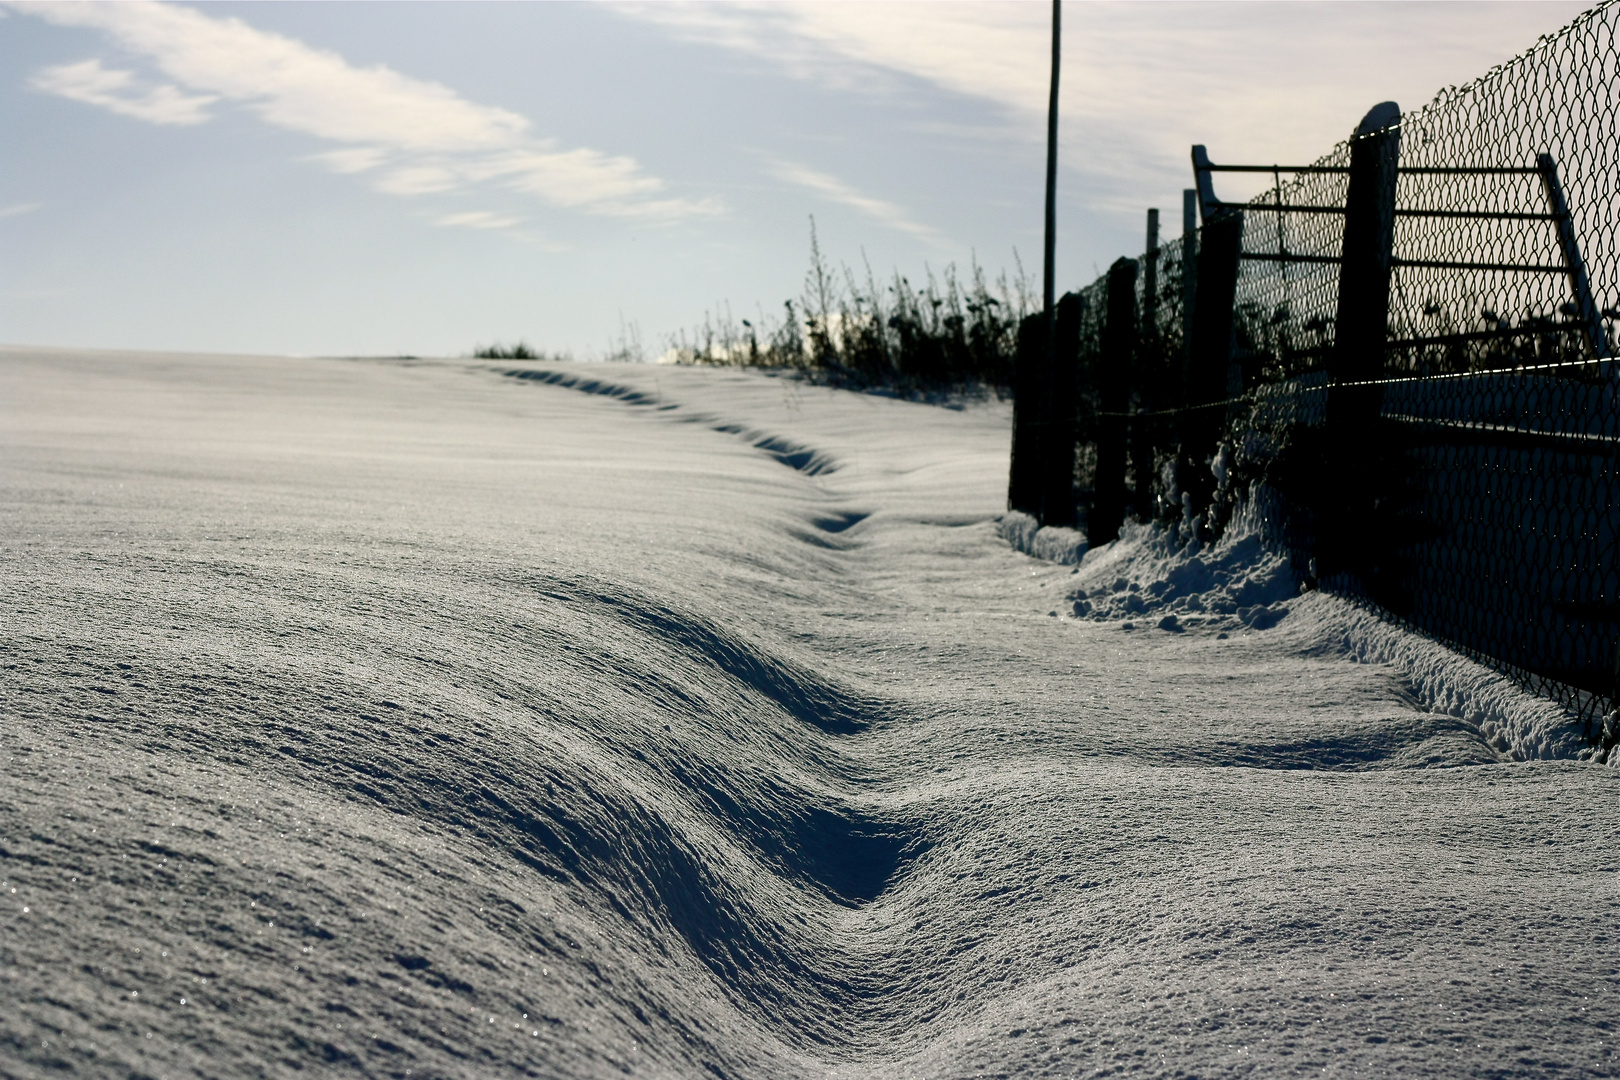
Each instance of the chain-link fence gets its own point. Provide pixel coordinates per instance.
(1402, 356)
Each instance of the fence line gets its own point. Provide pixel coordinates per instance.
(1403, 351)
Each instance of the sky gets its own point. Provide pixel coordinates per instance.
(422, 178)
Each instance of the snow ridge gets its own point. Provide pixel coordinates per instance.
(1515, 721)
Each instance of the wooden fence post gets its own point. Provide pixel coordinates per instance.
(1189, 269)
(1031, 385)
(1361, 326)
(1150, 284)
(1209, 354)
(1347, 536)
(1114, 377)
(1057, 501)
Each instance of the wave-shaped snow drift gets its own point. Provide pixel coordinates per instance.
(381, 719)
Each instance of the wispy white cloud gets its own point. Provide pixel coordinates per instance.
(290, 84)
(122, 93)
(783, 36)
(432, 139)
(836, 190)
(424, 179)
(18, 209)
(356, 159)
(1141, 81)
(581, 173)
(479, 219)
(994, 51)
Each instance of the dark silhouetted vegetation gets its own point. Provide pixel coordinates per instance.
(950, 333)
(518, 351)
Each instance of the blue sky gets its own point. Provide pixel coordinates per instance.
(380, 178)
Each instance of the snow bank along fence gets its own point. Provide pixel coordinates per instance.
(1400, 361)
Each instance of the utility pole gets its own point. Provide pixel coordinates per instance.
(1033, 368)
(1051, 177)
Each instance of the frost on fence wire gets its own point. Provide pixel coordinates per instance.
(1493, 457)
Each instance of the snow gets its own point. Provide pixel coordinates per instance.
(1159, 577)
(421, 718)
(1052, 542)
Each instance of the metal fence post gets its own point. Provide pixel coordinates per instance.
(1586, 310)
(1114, 372)
(1346, 536)
(1057, 502)
(1032, 367)
(1031, 385)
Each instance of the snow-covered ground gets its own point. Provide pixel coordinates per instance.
(1155, 577)
(415, 719)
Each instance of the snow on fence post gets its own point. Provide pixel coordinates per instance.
(1346, 541)
(1209, 353)
(1057, 499)
(1114, 377)
(1031, 383)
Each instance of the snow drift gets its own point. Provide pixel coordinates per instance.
(1157, 577)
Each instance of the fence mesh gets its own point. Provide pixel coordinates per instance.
(1459, 467)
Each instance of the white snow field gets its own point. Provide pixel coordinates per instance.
(410, 719)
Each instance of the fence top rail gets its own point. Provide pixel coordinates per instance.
(1425, 170)
(1212, 167)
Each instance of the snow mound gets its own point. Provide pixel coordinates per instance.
(1150, 574)
(1024, 533)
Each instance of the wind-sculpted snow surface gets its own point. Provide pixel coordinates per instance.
(1156, 577)
(410, 719)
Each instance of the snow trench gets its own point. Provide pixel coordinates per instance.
(805, 459)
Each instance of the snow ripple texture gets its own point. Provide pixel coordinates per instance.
(441, 719)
